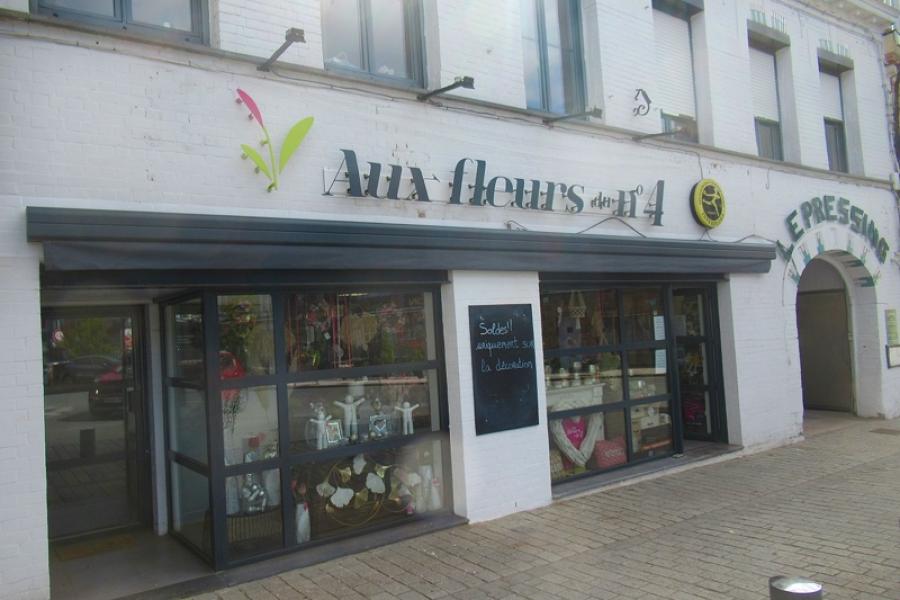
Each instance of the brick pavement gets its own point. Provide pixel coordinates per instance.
(827, 508)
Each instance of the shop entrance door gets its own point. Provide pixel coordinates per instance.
(98, 474)
(699, 372)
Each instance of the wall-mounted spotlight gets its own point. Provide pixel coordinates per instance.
(290, 36)
(591, 112)
(460, 82)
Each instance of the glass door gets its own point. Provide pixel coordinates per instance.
(697, 353)
(97, 460)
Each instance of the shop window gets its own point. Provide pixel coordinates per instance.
(326, 414)
(607, 377)
(172, 19)
(551, 38)
(381, 39)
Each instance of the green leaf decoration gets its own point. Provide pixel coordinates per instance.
(257, 160)
(292, 141)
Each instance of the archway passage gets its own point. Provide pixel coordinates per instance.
(824, 334)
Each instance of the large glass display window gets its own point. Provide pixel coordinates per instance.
(303, 415)
(609, 385)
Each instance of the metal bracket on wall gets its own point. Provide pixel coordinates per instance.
(643, 107)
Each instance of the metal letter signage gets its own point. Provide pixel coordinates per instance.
(831, 209)
(708, 203)
(470, 184)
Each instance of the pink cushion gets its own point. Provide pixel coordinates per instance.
(610, 453)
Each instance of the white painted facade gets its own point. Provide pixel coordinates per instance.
(95, 120)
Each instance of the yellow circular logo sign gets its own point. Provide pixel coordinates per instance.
(708, 203)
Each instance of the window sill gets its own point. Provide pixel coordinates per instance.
(409, 92)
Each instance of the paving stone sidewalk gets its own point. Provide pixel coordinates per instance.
(827, 508)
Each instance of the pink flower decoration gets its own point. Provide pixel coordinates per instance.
(251, 105)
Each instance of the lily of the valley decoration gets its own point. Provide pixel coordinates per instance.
(291, 142)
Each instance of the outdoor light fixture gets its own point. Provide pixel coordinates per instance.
(591, 112)
(290, 36)
(463, 82)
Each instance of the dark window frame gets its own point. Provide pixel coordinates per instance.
(122, 21)
(623, 347)
(217, 554)
(576, 98)
(774, 129)
(414, 29)
(836, 146)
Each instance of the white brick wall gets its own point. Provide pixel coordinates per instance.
(498, 473)
(23, 499)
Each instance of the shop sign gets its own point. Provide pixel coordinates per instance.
(269, 166)
(504, 376)
(469, 184)
(708, 203)
(829, 209)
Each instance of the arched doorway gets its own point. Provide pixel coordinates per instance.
(823, 327)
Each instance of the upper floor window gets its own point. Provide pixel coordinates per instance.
(551, 40)
(675, 66)
(766, 113)
(833, 112)
(378, 37)
(173, 19)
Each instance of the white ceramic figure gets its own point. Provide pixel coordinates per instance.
(430, 488)
(320, 421)
(351, 420)
(302, 520)
(407, 411)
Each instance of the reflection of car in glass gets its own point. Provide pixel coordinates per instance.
(107, 393)
(108, 390)
(83, 369)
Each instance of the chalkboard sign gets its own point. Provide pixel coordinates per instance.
(503, 369)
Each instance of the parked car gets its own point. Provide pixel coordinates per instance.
(84, 369)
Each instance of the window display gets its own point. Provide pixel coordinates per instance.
(584, 443)
(245, 333)
(366, 488)
(339, 412)
(600, 385)
(253, 508)
(651, 429)
(330, 397)
(250, 420)
(344, 330)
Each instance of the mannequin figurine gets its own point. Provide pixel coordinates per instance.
(253, 495)
(320, 421)
(407, 411)
(351, 421)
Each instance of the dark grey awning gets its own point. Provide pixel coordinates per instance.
(91, 240)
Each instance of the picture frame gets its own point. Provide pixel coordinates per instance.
(334, 435)
(379, 427)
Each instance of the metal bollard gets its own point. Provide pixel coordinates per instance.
(794, 588)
